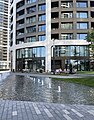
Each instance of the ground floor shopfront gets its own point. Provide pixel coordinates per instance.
(48, 58)
(38, 64)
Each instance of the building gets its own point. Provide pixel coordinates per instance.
(4, 34)
(50, 34)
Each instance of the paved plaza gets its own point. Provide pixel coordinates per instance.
(26, 110)
(22, 110)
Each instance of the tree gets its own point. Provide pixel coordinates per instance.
(90, 39)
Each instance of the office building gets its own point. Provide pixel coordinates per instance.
(50, 34)
(4, 34)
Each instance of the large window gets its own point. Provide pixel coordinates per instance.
(31, 29)
(71, 51)
(81, 36)
(67, 36)
(31, 19)
(31, 52)
(41, 28)
(42, 7)
(82, 25)
(41, 37)
(31, 9)
(31, 39)
(66, 25)
(42, 17)
(82, 4)
(82, 15)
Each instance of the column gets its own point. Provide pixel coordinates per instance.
(13, 60)
(48, 36)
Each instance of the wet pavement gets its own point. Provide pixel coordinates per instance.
(42, 89)
(23, 97)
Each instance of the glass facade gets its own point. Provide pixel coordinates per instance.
(74, 55)
(71, 51)
(31, 52)
(32, 59)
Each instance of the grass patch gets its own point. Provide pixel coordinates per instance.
(89, 81)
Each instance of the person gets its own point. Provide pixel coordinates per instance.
(70, 67)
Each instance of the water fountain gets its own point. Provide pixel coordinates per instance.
(59, 89)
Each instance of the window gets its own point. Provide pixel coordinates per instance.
(82, 15)
(82, 25)
(31, 9)
(66, 15)
(81, 36)
(20, 13)
(66, 25)
(66, 4)
(20, 4)
(42, 7)
(20, 32)
(31, 19)
(31, 29)
(41, 37)
(31, 1)
(66, 36)
(81, 4)
(42, 28)
(42, 17)
(31, 39)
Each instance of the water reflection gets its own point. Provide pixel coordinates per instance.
(45, 90)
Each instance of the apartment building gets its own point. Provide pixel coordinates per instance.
(50, 34)
(4, 34)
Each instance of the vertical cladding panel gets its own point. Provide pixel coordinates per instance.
(48, 35)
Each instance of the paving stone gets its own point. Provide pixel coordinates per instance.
(19, 110)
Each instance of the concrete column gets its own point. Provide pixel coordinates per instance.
(13, 59)
(48, 59)
(14, 25)
(48, 36)
(8, 35)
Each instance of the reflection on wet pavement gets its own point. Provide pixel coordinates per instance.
(38, 89)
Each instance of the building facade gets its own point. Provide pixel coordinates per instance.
(50, 34)
(4, 34)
